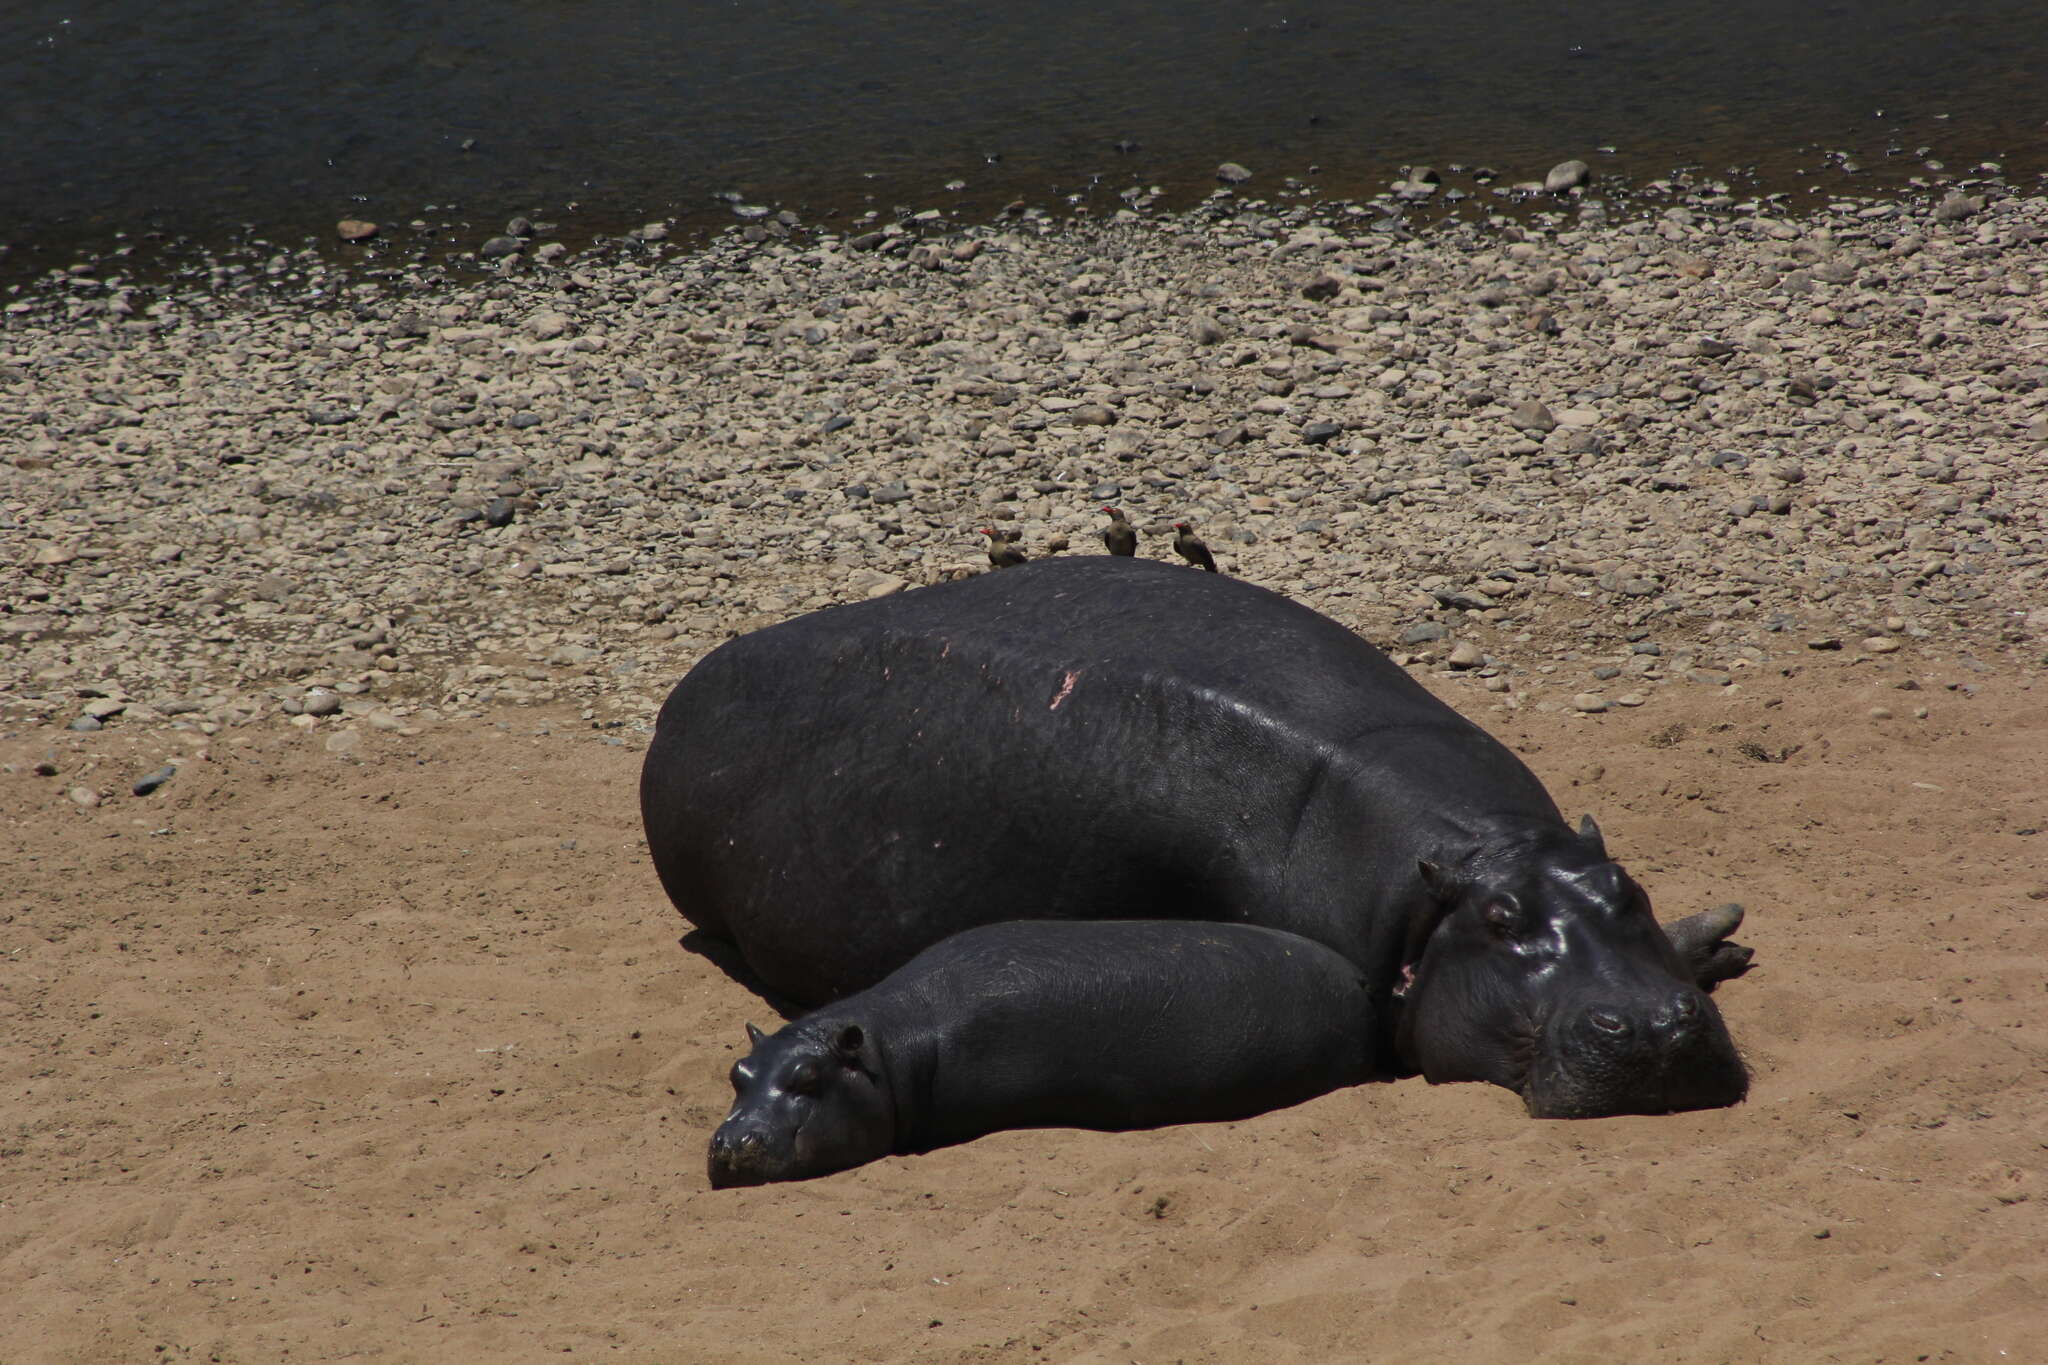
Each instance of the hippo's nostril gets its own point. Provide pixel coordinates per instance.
(1607, 1022)
(1680, 1018)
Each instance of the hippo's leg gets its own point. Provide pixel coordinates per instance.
(1702, 940)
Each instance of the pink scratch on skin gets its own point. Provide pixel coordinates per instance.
(1066, 687)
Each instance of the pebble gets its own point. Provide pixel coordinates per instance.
(496, 247)
(320, 702)
(1956, 206)
(1423, 632)
(355, 229)
(1590, 702)
(1567, 175)
(1880, 644)
(149, 782)
(1465, 654)
(1532, 417)
(1230, 173)
(884, 585)
(84, 796)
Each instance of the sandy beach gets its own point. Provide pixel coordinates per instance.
(367, 1033)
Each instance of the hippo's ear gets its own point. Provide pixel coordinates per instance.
(847, 1043)
(1589, 834)
(754, 1036)
(1436, 907)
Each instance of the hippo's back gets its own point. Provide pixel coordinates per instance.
(1085, 738)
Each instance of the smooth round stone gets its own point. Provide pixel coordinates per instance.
(1592, 703)
(321, 702)
(1567, 175)
(84, 796)
(1465, 654)
(1230, 173)
(1878, 644)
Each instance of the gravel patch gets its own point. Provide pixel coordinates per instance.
(1513, 453)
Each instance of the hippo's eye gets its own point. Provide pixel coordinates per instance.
(1503, 916)
(803, 1079)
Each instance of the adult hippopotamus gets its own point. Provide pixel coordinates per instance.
(1109, 738)
(1048, 1023)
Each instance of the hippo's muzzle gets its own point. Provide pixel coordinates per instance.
(742, 1154)
(1657, 1055)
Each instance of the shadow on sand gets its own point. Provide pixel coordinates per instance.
(726, 957)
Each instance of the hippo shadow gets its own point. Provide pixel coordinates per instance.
(725, 955)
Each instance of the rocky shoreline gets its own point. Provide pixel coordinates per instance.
(1568, 461)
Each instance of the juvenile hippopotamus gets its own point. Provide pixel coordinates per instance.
(1107, 738)
(1109, 1024)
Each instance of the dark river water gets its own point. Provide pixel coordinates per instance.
(206, 119)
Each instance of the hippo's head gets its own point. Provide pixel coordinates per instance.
(1542, 969)
(809, 1100)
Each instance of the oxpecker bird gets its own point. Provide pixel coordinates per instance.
(1192, 549)
(1120, 536)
